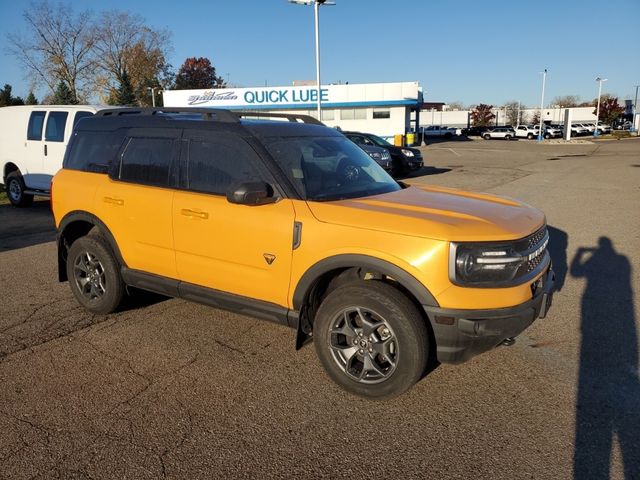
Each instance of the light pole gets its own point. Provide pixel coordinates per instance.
(544, 81)
(316, 5)
(635, 109)
(599, 80)
(153, 94)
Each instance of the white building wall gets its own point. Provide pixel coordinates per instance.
(458, 118)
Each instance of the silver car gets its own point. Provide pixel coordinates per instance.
(505, 133)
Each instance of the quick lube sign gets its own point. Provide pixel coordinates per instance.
(272, 97)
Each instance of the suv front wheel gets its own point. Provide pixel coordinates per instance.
(94, 275)
(371, 339)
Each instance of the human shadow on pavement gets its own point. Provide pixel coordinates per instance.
(608, 401)
(558, 242)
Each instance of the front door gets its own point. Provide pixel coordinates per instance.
(244, 250)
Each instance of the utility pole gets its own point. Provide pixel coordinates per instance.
(544, 81)
(635, 109)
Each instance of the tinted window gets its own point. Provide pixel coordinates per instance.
(147, 160)
(217, 163)
(93, 151)
(55, 126)
(79, 116)
(36, 121)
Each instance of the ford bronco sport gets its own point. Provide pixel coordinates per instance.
(289, 221)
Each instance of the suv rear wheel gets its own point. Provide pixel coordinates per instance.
(15, 190)
(371, 339)
(94, 275)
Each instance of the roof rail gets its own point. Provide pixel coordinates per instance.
(216, 114)
(292, 117)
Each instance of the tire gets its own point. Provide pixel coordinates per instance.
(94, 275)
(15, 187)
(530, 136)
(507, 137)
(391, 338)
(547, 136)
(486, 137)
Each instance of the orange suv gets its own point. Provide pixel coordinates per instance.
(291, 222)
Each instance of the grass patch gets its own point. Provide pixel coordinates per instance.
(3, 196)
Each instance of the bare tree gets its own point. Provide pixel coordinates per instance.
(457, 105)
(57, 48)
(567, 101)
(512, 109)
(124, 43)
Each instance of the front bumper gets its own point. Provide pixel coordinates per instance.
(463, 334)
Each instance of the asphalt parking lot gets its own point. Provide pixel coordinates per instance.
(171, 389)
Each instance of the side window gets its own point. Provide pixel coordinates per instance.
(147, 161)
(55, 126)
(36, 122)
(79, 116)
(93, 151)
(216, 163)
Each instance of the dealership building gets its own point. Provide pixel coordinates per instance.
(385, 109)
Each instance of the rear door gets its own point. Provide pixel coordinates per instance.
(245, 250)
(55, 135)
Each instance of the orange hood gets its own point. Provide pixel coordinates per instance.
(435, 212)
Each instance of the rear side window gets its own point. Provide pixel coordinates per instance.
(79, 116)
(55, 126)
(36, 122)
(93, 151)
(147, 161)
(216, 163)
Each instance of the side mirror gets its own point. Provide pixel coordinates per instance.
(251, 193)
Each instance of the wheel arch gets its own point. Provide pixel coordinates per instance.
(7, 169)
(77, 224)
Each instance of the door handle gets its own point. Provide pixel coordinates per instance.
(45, 149)
(187, 212)
(114, 201)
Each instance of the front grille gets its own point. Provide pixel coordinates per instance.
(532, 245)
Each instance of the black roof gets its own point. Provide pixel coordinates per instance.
(256, 123)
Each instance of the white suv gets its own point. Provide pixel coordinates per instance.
(506, 133)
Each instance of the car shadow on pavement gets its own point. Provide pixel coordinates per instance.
(608, 399)
(24, 227)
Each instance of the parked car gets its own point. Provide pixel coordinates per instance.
(403, 159)
(589, 127)
(379, 154)
(293, 223)
(499, 132)
(440, 131)
(604, 128)
(578, 130)
(527, 131)
(32, 144)
(623, 125)
(551, 131)
(475, 131)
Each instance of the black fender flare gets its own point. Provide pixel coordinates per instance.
(81, 215)
(408, 281)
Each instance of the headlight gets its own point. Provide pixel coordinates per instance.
(407, 153)
(499, 264)
(375, 155)
(481, 265)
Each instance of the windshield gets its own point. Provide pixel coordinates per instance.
(379, 141)
(329, 168)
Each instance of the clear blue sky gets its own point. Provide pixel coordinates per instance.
(465, 50)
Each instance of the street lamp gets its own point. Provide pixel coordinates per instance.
(544, 81)
(316, 4)
(635, 109)
(599, 80)
(153, 94)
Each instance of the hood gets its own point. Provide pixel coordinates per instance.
(435, 212)
(371, 148)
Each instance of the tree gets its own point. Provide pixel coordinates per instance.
(566, 101)
(197, 73)
(457, 105)
(124, 94)
(31, 99)
(512, 109)
(7, 99)
(535, 118)
(610, 109)
(58, 47)
(63, 95)
(481, 115)
(124, 43)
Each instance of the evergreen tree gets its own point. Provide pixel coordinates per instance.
(63, 95)
(124, 95)
(31, 99)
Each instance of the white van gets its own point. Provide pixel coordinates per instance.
(32, 143)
